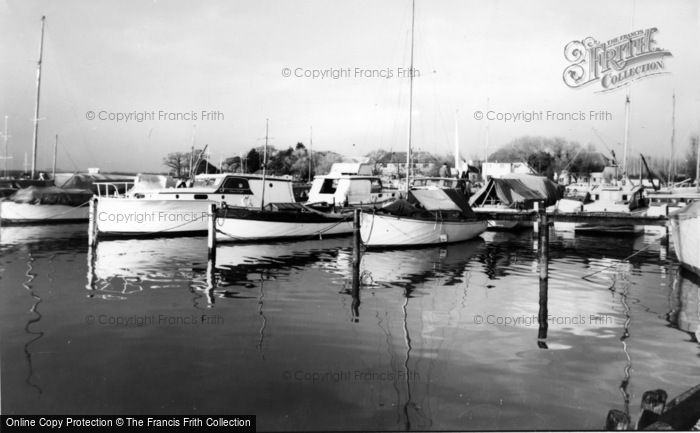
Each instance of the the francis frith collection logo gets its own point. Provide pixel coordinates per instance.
(614, 63)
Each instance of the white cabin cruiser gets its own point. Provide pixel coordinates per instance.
(145, 210)
(349, 184)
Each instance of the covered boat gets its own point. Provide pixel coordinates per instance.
(279, 220)
(685, 225)
(431, 216)
(47, 204)
(514, 192)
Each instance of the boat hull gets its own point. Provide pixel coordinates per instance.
(389, 230)
(26, 213)
(686, 232)
(248, 225)
(125, 216)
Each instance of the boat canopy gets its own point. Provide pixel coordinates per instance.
(422, 200)
(517, 191)
(51, 195)
(87, 181)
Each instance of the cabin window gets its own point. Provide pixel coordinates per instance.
(376, 186)
(235, 185)
(201, 196)
(329, 186)
(624, 197)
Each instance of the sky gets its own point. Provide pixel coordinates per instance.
(167, 62)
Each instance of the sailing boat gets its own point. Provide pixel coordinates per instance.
(425, 216)
(278, 220)
(39, 203)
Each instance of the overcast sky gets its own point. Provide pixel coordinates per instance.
(185, 57)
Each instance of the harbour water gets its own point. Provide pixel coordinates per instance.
(440, 338)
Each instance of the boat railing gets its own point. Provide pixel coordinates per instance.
(113, 189)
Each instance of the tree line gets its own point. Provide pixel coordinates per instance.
(547, 156)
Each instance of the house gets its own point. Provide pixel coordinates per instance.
(501, 169)
(394, 163)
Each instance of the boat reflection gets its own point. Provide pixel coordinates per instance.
(686, 293)
(408, 267)
(44, 237)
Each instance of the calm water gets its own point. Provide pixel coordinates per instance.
(441, 338)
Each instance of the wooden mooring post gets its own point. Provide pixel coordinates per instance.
(543, 250)
(92, 222)
(356, 257)
(211, 234)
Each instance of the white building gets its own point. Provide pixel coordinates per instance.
(500, 169)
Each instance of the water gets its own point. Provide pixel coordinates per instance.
(441, 338)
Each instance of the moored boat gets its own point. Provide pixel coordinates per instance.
(426, 217)
(685, 226)
(45, 205)
(279, 220)
(170, 210)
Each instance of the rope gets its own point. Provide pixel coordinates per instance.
(619, 262)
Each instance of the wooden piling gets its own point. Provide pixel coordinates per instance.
(356, 241)
(92, 222)
(543, 249)
(211, 234)
(356, 266)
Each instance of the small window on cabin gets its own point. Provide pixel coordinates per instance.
(235, 185)
(624, 197)
(376, 186)
(329, 186)
(597, 197)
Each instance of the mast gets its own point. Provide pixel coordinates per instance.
(264, 165)
(627, 131)
(38, 90)
(410, 99)
(55, 148)
(673, 140)
(457, 142)
(194, 133)
(5, 138)
(697, 164)
(311, 155)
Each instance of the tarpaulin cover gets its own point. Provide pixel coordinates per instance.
(441, 199)
(87, 181)
(51, 195)
(517, 191)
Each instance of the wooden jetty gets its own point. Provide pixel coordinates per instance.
(600, 218)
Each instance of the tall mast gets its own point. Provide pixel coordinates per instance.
(486, 150)
(410, 100)
(55, 148)
(194, 134)
(671, 165)
(627, 132)
(311, 155)
(5, 138)
(457, 143)
(36, 106)
(264, 165)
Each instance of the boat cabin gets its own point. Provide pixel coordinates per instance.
(236, 189)
(349, 184)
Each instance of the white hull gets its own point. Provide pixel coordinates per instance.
(144, 216)
(232, 229)
(41, 213)
(386, 230)
(686, 237)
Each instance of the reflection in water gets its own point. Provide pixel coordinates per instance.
(686, 317)
(35, 310)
